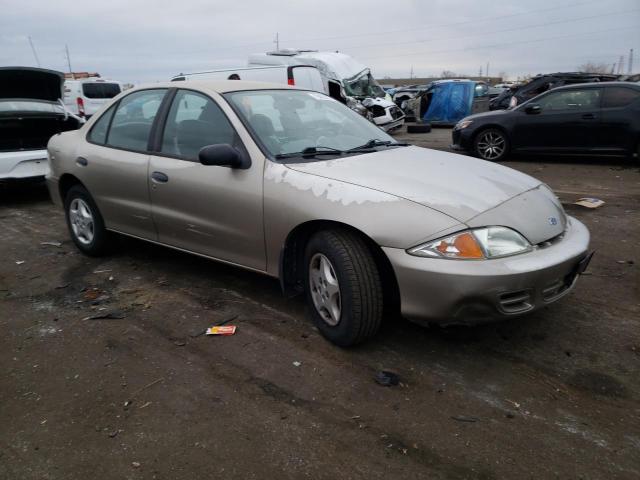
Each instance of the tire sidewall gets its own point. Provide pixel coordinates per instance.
(494, 130)
(97, 245)
(345, 331)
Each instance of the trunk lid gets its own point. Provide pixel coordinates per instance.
(456, 185)
(30, 83)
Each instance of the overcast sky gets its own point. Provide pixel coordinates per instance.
(150, 40)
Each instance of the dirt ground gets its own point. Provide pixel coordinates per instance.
(146, 395)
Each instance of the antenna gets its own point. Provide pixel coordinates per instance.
(411, 74)
(277, 42)
(487, 70)
(66, 47)
(620, 65)
(630, 64)
(33, 49)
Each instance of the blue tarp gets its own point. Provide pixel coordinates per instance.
(450, 102)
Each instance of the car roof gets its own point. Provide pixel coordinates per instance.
(596, 85)
(218, 86)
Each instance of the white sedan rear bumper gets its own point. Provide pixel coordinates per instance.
(23, 164)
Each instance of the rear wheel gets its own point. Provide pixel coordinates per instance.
(491, 144)
(85, 222)
(343, 287)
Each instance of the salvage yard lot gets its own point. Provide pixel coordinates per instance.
(146, 395)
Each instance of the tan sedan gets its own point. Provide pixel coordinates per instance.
(295, 185)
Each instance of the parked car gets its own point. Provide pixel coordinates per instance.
(31, 111)
(517, 95)
(86, 96)
(601, 118)
(402, 94)
(304, 76)
(346, 80)
(444, 102)
(293, 184)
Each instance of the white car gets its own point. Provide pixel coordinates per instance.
(86, 96)
(31, 112)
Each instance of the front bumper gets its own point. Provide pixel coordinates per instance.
(450, 292)
(23, 164)
(462, 140)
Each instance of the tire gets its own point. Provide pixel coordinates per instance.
(420, 128)
(491, 144)
(359, 287)
(85, 222)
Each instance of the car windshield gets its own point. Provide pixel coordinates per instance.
(29, 106)
(291, 121)
(363, 86)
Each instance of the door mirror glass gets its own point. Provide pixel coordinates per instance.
(533, 109)
(223, 155)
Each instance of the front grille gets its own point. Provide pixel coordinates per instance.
(516, 302)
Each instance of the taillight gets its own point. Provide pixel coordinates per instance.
(80, 103)
(291, 81)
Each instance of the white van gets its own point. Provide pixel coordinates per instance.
(86, 96)
(304, 76)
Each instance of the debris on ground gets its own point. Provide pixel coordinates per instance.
(135, 464)
(112, 315)
(101, 271)
(134, 394)
(297, 364)
(387, 378)
(589, 202)
(52, 244)
(19, 262)
(463, 418)
(221, 330)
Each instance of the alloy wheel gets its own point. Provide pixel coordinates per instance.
(491, 145)
(325, 289)
(81, 220)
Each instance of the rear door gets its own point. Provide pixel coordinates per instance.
(96, 94)
(113, 163)
(306, 77)
(620, 130)
(567, 123)
(211, 210)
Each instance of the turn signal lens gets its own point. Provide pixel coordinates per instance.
(461, 246)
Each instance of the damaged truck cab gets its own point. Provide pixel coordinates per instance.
(346, 80)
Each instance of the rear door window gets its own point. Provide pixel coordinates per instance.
(619, 97)
(195, 121)
(98, 133)
(133, 119)
(100, 90)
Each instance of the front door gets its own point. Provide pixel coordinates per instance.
(567, 122)
(114, 163)
(211, 210)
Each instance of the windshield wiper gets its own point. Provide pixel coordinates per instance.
(312, 152)
(374, 142)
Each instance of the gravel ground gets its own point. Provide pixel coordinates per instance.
(145, 395)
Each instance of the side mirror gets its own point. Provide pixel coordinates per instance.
(533, 109)
(223, 155)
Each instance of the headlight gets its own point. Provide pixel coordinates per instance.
(477, 244)
(462, 124)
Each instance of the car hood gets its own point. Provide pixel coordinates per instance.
(458, 186)
(483, 115)
(31, 83)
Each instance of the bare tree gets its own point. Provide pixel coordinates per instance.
(593, 67)
(503, 75)
(448, 74)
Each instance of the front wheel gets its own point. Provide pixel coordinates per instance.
(85, 222)
(491, 144)
(343, 287)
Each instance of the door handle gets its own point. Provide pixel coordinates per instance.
(589, 116)
(81, 161)
(159, 177)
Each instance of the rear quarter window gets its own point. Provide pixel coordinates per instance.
(100, 90)
(619, 97)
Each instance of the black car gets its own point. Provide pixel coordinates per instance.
(592, 118)
(542, 83)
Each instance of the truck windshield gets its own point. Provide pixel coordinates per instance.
(363, 86)
(286, 122)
